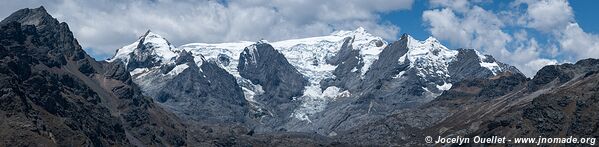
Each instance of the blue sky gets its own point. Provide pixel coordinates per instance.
(526, 33)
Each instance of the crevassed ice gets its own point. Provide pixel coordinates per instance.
(309, 55)
(314, 100)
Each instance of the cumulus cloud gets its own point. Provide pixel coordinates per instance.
(446, 25)
(547, 15)
(556, 19)
(457, 5)
(575, 41)
(471, 27)
(105, 25)
(466, 24)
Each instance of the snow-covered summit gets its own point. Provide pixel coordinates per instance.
(150, 44)
(429, 57)
(312, 52)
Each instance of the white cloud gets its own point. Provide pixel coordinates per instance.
(471, 27)
(556, 18)
(575, 41)
(446, 25)
(457, 5)
(105, 25)
(526, 56)
(548, 15)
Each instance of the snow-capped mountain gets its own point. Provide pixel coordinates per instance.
(149, 50)
(432, 60)
(183, 82)
(304, 84)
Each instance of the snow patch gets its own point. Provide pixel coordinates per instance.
(354, 69)
(138, 71)
(492, 66)
(177, 69)
(401, 73)
(445, 86)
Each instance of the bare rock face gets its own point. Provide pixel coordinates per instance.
(53, 93)
(263, 65)
(205, 94)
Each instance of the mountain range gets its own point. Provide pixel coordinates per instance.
(346, 88)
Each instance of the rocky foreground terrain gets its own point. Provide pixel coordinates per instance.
(345, 89)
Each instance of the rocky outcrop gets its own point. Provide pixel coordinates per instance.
(206, 93)
(348, 60)
(263, 65)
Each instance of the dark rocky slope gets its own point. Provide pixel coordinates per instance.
(262, 64)
(53, 93)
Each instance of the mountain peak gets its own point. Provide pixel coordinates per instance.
(262, 41)
(357, 31)
(360, 29)
(431, 39)
(430, 44)
(38, 17)
(153, 37)
(404, 36)
(149, 44)
(147, 33)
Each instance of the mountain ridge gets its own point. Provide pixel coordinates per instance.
(335, 66)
